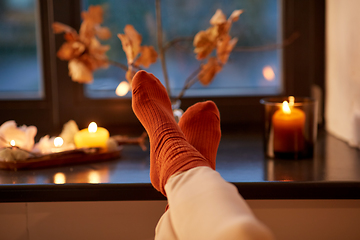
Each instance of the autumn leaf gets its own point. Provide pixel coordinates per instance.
(235, 15)
(131, 42)
(83, 51)
(70, 50)
(94, 14)
(79, 72)
(147, 57)
(224, 48)
(208, 71)
(205, 42)
(218, 18)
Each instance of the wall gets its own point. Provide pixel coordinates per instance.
(136, 220)
(342, 112)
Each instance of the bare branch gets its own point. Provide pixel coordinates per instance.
(268, 47)
(160, 46)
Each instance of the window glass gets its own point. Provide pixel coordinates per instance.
(247, 72)
(19, 51)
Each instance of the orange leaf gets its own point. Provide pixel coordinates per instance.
(205, 42)
(60, 28)
(148, 56)
(130, 41)
(208, 71)
(79, 72)
(103, 32)
(235, 15)
(224, 47)
(135, 38)
(94, 14)
(70, 50)
(218, 18)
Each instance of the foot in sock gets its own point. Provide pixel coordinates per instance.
(201, 126)
(169, 151)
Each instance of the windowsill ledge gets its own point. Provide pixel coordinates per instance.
(333, 173)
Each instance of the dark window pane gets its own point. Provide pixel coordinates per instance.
(19, 50)
(246, 73)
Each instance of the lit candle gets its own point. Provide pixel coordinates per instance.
(288, 124)
(92, 136)
(59, 145)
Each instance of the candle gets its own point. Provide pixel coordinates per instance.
(288, 124)
(92, 136)
(60, 146)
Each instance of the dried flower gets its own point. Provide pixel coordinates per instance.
(84, 51)
(136, 54)
(23, 136)
(215, 37)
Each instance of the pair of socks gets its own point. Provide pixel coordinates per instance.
(174, 147)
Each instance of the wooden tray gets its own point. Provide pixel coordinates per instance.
(63, 158)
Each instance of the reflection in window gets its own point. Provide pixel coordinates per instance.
(19, 52)
(246, 73)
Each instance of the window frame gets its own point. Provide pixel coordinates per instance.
(303, 66)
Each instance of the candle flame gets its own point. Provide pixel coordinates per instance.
(58, 142)
(12, 143)
(291, 100)
(122, 89)
(59, 178)
(92, 127)
(94, 177)
(286, 108)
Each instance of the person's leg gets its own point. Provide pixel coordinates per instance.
(169, 151)
(201, 126)
(204, 206)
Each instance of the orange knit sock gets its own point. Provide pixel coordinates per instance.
(201, 126)
(169, 151)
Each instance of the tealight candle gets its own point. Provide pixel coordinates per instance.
(288, 124)
(59, 146)
(91, 137)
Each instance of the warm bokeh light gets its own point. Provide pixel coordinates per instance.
(58, 142)
(94, 177)
(92, 127)
(291, 100)
(268, 73)
(59, 178)
(286, 108)
(122, 89)
(12, 143)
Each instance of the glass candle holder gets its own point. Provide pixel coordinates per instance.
(290, 127)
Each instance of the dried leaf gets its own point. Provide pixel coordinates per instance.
(60, 28)
(224, 47)
(147, 57)
(70, 50)
(235, 15)
(205, 42)
(218, 18)
(79, 72)
(208, 71)
(135, 39)
(94, 14)
(102, 32)
(131, 42)
(126, 44)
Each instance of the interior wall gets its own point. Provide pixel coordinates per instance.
(342, 111)
(136, 220)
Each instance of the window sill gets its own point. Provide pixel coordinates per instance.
(334, 173)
